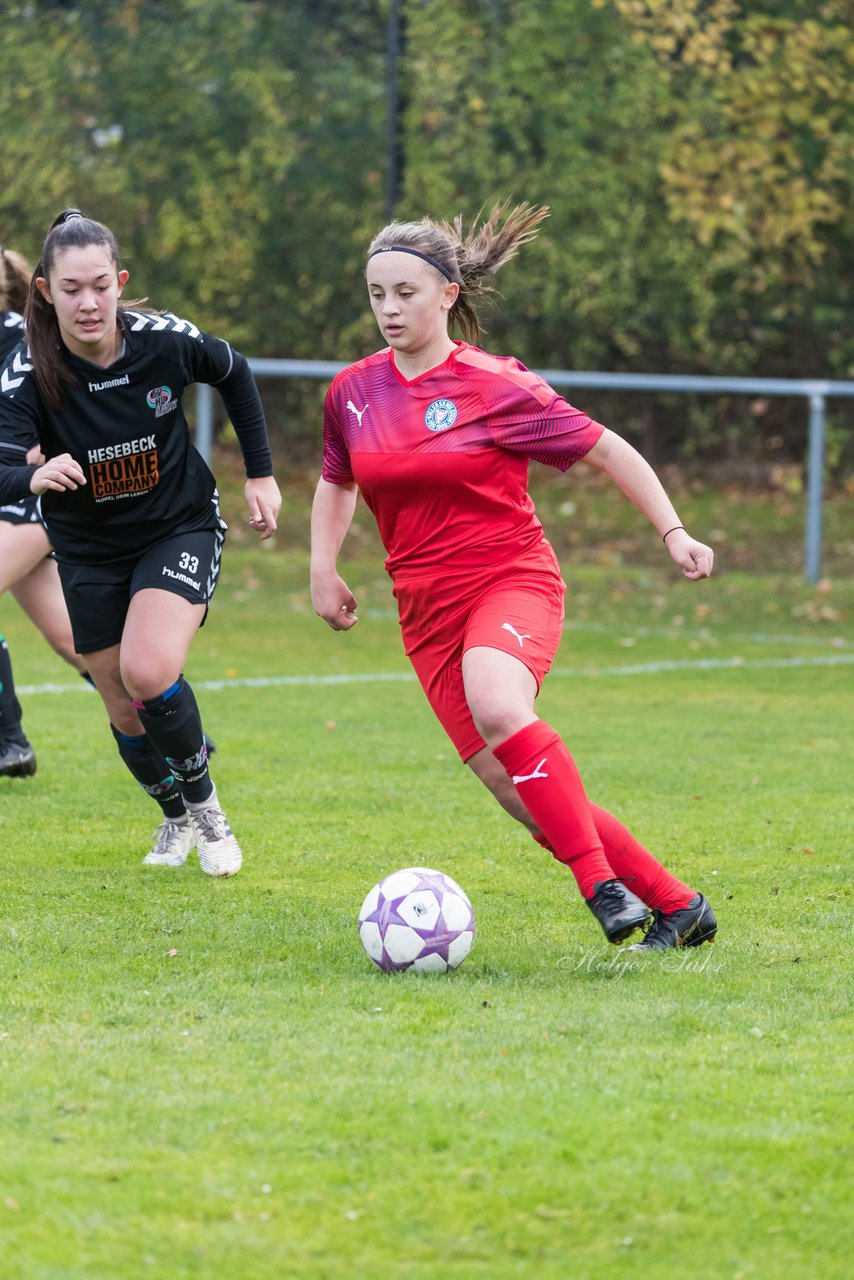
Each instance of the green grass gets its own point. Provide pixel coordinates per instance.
(210, 1079)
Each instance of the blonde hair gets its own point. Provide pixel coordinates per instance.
(466, 256)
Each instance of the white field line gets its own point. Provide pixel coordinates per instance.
(694, 633)
(576, 673)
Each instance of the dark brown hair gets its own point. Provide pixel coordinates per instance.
(467, 256)
(15, 274)
(70, 230)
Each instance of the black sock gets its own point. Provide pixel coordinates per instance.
(10, 707)
(151, 771)
(173, 724)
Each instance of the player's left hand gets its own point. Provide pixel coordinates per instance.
(694, 558)
(264, 502)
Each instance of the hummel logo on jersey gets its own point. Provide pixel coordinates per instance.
(358, 412)
(7, 381)
(110, 382)
(151, 320)
(526, 777)
(505, 626)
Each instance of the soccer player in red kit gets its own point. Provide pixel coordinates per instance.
(437, 435)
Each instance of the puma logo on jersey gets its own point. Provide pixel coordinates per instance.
(526, 777)
(505, 626)
(358, 412)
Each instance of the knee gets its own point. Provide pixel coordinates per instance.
(497, 718)
(147, 678)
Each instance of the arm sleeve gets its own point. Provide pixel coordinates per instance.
(14, 481)
(337, 468)
(528, 416)
(205, 358)
(240, 396)
(18, 431)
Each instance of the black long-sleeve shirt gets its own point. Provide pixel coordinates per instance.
(126, 427)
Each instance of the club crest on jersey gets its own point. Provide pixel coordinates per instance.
(441, 415)
(160, 400)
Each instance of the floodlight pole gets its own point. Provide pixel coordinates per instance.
(394, 166)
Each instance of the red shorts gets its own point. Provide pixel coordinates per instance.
(518, 610)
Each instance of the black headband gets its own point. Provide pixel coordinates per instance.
(402, 248)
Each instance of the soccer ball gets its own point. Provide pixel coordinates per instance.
(417, 919)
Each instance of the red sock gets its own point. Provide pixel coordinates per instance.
(636, 866)
(548, 782)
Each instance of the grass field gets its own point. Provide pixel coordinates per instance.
(210, 1079)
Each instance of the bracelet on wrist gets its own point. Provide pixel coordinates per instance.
(673, 530)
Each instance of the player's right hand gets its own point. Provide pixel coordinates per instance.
(334, 602)
(59, 473)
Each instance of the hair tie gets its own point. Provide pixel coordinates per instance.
(67, 215)
(416, 253)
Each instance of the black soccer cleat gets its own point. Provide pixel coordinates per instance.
(691, 926)
(617, 909)
(17, 759)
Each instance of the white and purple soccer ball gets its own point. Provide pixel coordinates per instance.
(417, 919)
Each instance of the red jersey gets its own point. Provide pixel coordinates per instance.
(442, 461)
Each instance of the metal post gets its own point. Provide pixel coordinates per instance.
(815, 489)
(393, 160)
(204, 420)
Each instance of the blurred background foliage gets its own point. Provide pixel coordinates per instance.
(696, 156)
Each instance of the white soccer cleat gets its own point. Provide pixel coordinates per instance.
(219, 853)
(172, 844)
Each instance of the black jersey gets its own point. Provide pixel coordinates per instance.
(125, 426)
(11, 332)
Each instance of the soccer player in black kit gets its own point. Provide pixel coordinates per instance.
(131, 508)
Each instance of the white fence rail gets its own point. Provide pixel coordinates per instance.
(815, 392)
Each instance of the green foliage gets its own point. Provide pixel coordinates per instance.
(695, 157)
(758, 164)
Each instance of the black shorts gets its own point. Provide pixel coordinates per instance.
(27, 511)
(98, 595)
